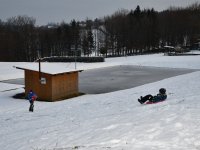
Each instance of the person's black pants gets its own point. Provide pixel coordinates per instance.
(147, 98)
(31, 106)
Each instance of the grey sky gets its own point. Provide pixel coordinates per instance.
(46, 11)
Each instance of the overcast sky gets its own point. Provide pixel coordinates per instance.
(46, 11)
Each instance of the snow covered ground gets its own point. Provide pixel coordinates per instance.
(111, 121)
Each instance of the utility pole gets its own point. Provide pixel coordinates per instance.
(75, 56)
(39, 69)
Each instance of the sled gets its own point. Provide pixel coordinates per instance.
(153, 102)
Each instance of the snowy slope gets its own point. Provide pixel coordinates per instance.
(108, 121)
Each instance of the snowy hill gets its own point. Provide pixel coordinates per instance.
(111, 121)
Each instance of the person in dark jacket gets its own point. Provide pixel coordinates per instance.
(161, 96)
(31, 97)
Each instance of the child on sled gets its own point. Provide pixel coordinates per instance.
(161, 96)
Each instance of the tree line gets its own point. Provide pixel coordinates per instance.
(22, 40)
(122, 33)
(146, 31)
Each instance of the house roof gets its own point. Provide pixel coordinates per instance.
(48, 68)
(169, 47)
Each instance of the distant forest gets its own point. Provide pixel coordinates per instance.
(122, 33)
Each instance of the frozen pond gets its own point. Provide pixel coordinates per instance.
(109, 79)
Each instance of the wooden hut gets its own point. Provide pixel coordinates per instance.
(50, 84)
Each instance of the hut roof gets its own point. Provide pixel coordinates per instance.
(47, 68)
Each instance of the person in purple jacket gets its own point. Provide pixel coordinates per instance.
(161, 96)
